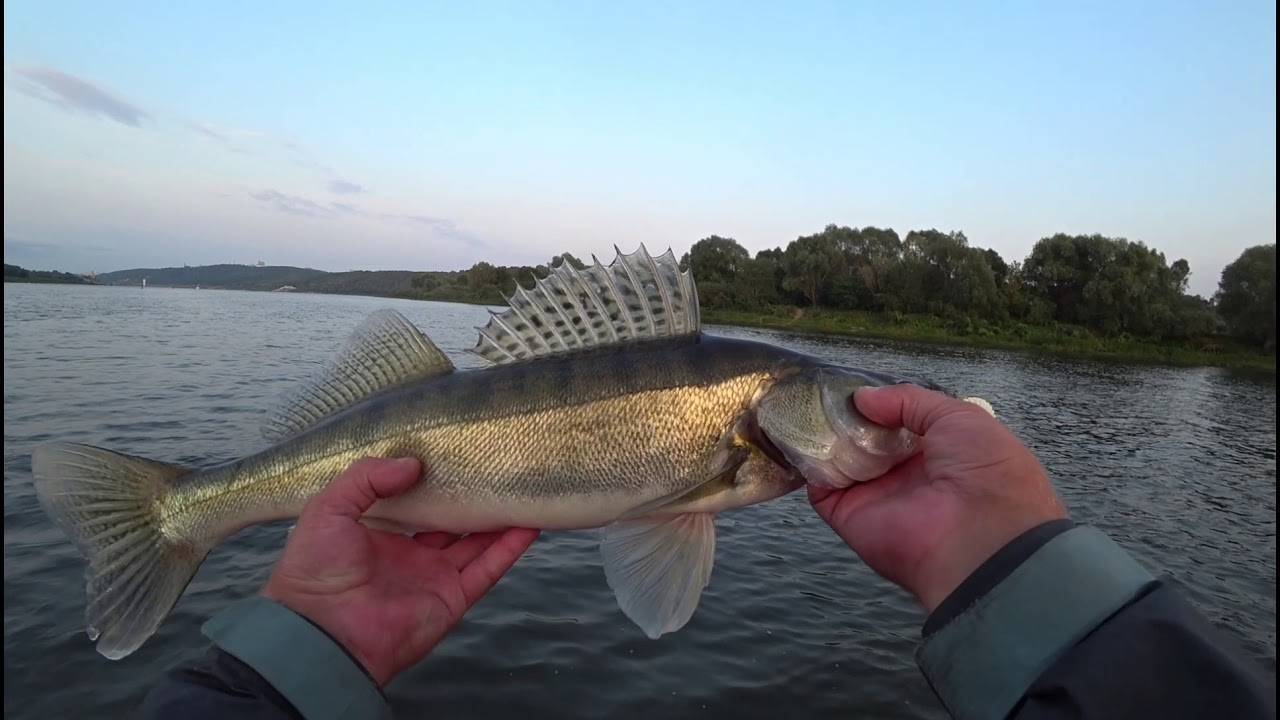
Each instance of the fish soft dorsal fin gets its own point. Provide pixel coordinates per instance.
(636, 297)
(658, 567)
(385, 351)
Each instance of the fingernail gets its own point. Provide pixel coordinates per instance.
(407, 461)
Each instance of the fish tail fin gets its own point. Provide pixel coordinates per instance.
(109, 505)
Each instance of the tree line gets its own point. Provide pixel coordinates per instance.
(1111, 285)
(483, 283)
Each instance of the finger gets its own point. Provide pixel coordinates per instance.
(908, 406)
(824, 499)
(364, 483)
(436, 540)
(469, 548)
(482, 573)
(838, 506)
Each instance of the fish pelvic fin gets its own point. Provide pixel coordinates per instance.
(109, 505)
(658, 567)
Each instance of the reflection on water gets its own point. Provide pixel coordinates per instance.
(1177, 464)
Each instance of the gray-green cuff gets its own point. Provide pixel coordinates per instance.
(300, 661)
(982, 662)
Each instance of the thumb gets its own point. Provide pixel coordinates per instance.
(354, 491)
(909, 406)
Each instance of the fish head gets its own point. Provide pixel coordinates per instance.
(809, 417)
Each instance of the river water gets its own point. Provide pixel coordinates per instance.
(1177, 464)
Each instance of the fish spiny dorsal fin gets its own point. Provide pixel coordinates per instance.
(384, 352)
(637, 297)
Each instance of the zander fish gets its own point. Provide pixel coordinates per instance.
(605, 407)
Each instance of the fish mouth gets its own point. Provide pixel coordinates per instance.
(759, 438)
(809, 423)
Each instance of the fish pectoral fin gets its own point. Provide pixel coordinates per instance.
(658, 567)
(386, 351)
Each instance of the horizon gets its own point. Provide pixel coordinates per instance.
(265, 266)
(358, 140)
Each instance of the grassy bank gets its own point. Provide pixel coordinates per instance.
(1058, 339)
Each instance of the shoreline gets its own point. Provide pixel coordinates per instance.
(1052, 341)
(876, 326)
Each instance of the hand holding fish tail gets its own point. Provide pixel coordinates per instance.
(931, 521)
(387, 598)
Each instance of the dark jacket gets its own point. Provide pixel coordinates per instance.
(1061, 623)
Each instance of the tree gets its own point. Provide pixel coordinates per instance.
(880, 249)
(756, 284)
(951, 276)
(1246, 296)
(482, 275)
(809, 262)
(905, 285)
(773, 260)
(1110, 284)
(1193, 316)
(427, 281)
(1181, 272)
(558, 260)
(1060, 266)
(1025, 303)
(715, 259)
(867, 255)
(999, 268)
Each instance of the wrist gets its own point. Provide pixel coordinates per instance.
(320, 619)
(991, 573)
(939, 574)
(269, 637)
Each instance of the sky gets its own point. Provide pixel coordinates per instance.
(434, 135)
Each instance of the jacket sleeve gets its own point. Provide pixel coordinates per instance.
(1063, 623)
(267, 663)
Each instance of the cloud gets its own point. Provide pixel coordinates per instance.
(291, 204)
(434, 223)
(30, 249)
(297, 205)
(342, 187)
(348, 209)
(12, 244)
(208, 131)
(442, 227)
(74, 94)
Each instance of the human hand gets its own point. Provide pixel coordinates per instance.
(387, 598)
(931, 521)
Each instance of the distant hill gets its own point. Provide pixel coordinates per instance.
(13, 273)
(388, 283)
(230, 277)
(361, 282)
